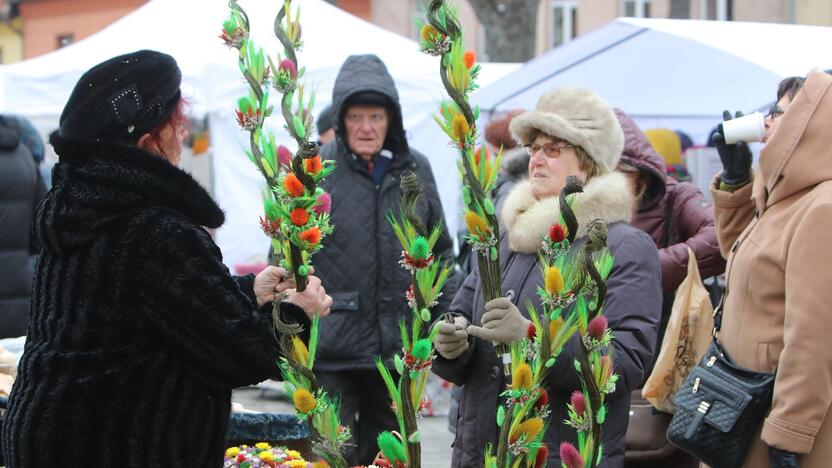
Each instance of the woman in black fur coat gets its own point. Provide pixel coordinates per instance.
(138, 332)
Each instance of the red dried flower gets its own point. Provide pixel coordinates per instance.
(293, 185)
(578, 401)
(299, 217)
(542, 455)
(542, 400)
(531, 331)
(597, 327)
(284, 155)
(570, 457)
(557, 233)
(311, 235)
(313, 165)
(287, 66)
(323, 204)
(269, 227)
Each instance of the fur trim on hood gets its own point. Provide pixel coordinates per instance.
(578, 116)
(527, 219)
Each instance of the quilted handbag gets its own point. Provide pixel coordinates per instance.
(720, 407)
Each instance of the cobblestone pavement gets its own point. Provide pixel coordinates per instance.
(436, 439)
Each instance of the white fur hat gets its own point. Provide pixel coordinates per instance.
(578, 116)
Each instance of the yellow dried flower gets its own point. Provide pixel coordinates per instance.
(232, 452)
(553, 281)
(521, 378)
(294, 454)
(554, 327)
(530, 428)
(477, 225)
(262, 445)
(428, 33)
(296, 463)
(459, 128)
(266, 455)
(304, 401)
(300, 353)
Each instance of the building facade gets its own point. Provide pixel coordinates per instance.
(560, 21)
(47, 25)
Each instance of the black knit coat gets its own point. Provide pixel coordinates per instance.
(138, 332)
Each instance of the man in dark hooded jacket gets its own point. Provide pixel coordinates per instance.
(359, 261)
(21, 188)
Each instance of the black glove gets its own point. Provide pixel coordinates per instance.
(781, 458)
(736, 158)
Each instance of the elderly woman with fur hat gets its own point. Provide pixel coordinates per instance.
(137, 332)
(572, 132)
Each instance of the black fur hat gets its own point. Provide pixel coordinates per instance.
(122, 98)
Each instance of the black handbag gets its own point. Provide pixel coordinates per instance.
(720, 407)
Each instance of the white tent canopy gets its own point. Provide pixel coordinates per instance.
(188, 30)
(678, 74)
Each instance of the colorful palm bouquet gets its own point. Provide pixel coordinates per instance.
(572, 297)
(403, 449)
(296, 209)
(441, 35)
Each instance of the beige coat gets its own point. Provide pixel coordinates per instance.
(777, 235)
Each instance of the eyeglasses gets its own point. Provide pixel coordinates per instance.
(549, 149)
(774, 112)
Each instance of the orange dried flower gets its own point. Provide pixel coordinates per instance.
(299, 217)
(293, 185)
(311, 235)
(470, 59)
(313, 165)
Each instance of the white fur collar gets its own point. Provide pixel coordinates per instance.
(527, 219)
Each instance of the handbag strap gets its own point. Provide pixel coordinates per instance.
(717, 315)
(668, 217)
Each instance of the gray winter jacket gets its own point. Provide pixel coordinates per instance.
(21, 188)
(359, 262)
(633, 305)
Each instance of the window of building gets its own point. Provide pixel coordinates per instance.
(635, 8)
(65, 39)
(564, 26)
(680, 9)
(720, 10)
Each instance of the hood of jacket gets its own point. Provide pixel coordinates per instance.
(9, 135)
(98, 185)
(527, 220)
(363, 73)
(639, 153)
(799, 155)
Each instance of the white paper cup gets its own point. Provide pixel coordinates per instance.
(748, 128)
